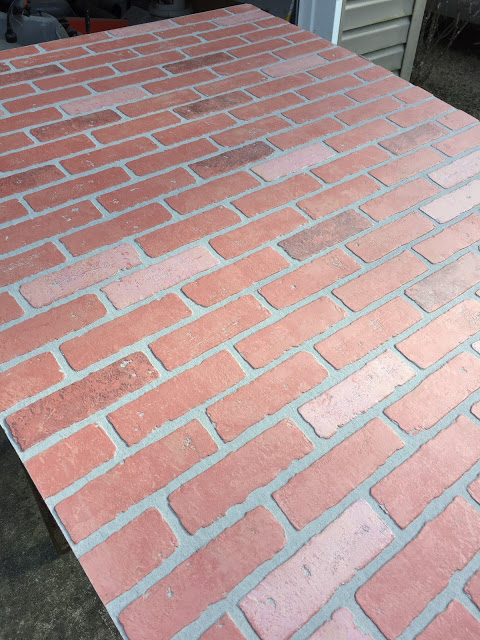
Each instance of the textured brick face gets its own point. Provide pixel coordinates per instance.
(239, 329)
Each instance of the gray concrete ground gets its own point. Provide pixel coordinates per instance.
(43, 596)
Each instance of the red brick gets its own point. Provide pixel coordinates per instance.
(341, 623)
(154, 60)
(79, 77)
(44, 153)
(127, 79)
(43, 227)
(151, 468)
(318, 108)
(322, 236)
(322, 89)
(166, 159)
(378, 89)
(340, 67)
(306, 133)
(457, 171)
(222, 564)
(122, 43)
(368, 333)
(455, 623)
(196, 129)
(303, 584)
(399, 199)
(443, 334)
(69, 127)
(16, 77)
(231, 159)
(256, 48)
(350, 164)
(445, 545)
(209, 331)
(51, 325)
(46, 58)
(111, 337)
(108, 155)
(473, 588)
(44, 99)
(335, 53)
(457, 120)
(379, 281)
(309, 279)
(9, 308)
(109, 99)
(358, 136)
(247, 13)
(255, 234)
(12, 142)
(326, 483)
(144, 190)
(27, 180)
(269, 105)
(151, 105)
(72, 458)
(407, 167)
(294, 65)
(382, 241)
(369, 111)
(211, 105)
(459, 236)
(9, 54)
(79, 400)
(268, 88)
(220, 44)
(230, 84)
(235, 277)
(436, 395)
(224, 629)
(7, 125)
(356, 394)
(451, 205)
(413, 95)
(246, 64)
(461, 142)
(286, 382)
(313, 45)
(11, 210)
(410, 140)
(277, 195)
(204, 499)
(28, 378)
(172, 43)
(29, 262)
(99, 59)
(268, 344)
(437, 465)
(62, 283)
(339, 197)
(143, 544)
(80, 187)
(191, 64)
(292, 162)
(185, 81)
(246, 132)
(448, 283)
(420, 113)
(177, 396)
(212, 192)
(159, 276)
(237, 30)
(373, 72)
(112, 231)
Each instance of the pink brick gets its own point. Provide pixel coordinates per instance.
(339, 197)
(352, 163)
(341, 625)
(324, 484)
(437, 465)
(204, 499)
(277, 195)
(456, 623)
(152, 468)
(391, 598)
(72, 458)
(453, 204)
(222, 564)
(368, 333)
(442, 245)
(277, 387)
(158, 277)
(224, 629)
(408, 166)
(473, 588)
(460, 142)
(209, 331)
(355, 395)
(400, 199)
(143, 544)
(302, 585)
(268, 344)
(67, 281)
(101, 101)
(457, 171)
(292, 162)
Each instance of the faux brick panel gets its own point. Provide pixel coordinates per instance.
(444, 545)
(333, 557)
(279, 386)
(222, 564)
(435, 466)
(198, 337)
(149, 541)
(80, 400)
(70, 459)
(326, 482)
(203, 500)
(94, 504)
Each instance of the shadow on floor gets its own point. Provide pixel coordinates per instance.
(43, 596)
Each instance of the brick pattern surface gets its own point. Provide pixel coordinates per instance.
(239, 329)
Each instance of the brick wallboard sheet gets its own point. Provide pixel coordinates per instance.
(239, 329)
